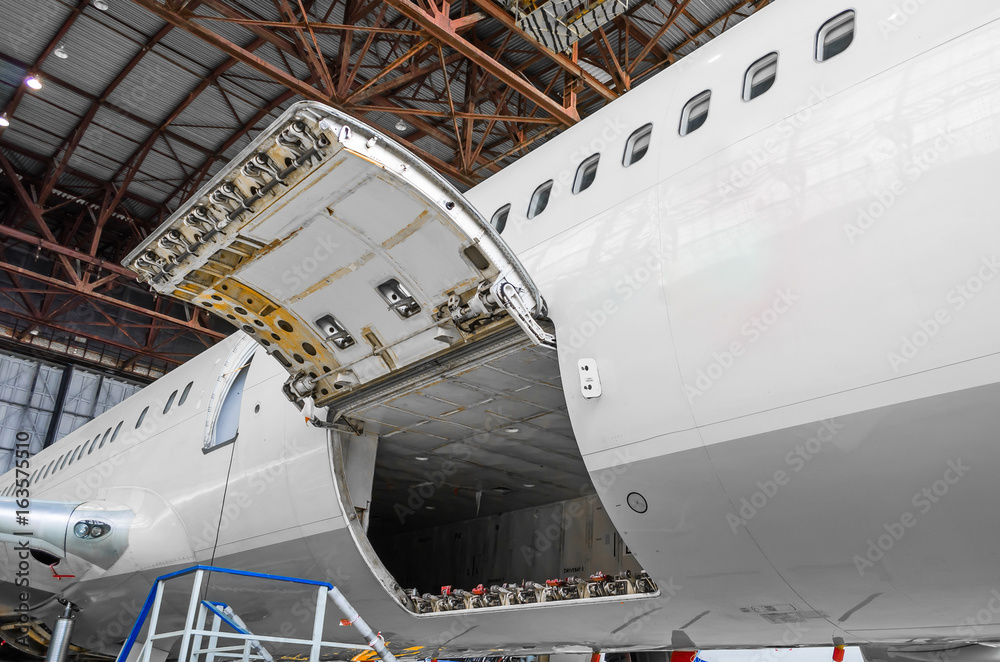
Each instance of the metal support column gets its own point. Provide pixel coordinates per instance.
(61, 633)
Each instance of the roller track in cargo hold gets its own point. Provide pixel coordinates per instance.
(597, 585)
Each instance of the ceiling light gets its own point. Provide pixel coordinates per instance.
(429, 507)
(529, 484)
(420, 458)
(511, 430)
(101, 4)
(61, 52)
(33, 83)
(4, 121)
(401, 126)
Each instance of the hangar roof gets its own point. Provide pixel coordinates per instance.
(153, 97)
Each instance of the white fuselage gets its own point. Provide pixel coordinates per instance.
(794, 313)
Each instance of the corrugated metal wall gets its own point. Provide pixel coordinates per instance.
(29, 397)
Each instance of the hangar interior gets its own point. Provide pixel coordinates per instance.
(113, 113)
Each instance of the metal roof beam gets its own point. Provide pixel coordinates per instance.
(185, 20)
(88, 290)
(61, 249)
(70, 144)
(500, 14)
(12, 105)
(35, 156)
(440, 26)
(107, 104)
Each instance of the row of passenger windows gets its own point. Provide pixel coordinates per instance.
(833, 38)
(88, 447)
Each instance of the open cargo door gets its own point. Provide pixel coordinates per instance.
(349, 259)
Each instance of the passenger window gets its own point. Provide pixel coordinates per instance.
(637, 145)
(62, 462)
(170, 402)
(540, 199)
(184, 393)
(114, 435)
(499, 220)
(695, 113)
(46, 472)
(93, 444)
(104, 439)
(760, 77)
(586, 174)
(835, 36)
(227, 425)
(141, 417)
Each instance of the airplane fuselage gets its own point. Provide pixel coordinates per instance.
(792, 310)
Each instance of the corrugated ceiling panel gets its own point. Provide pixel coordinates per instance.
(64, 99)
(122, 125)
(46, 115)
(154, 88)
(101, 147)
(129, 18)
(152, 190)
(194, 50)
(28, 27)
(96, 54)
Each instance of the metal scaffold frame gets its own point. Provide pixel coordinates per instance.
(251, 646)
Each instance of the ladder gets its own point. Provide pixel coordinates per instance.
(213, 631)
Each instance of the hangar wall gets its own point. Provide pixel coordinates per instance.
(46, 401)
